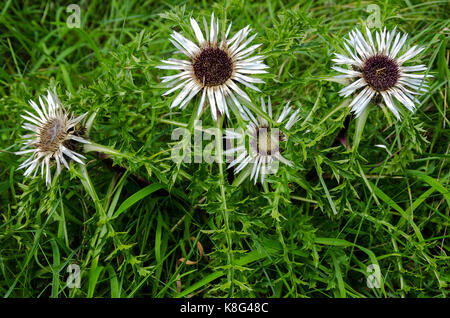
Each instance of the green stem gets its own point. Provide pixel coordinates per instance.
(172, 122)
(276, 216)
(225, 212)
(104, 149)
(94, 251)
(361, 122)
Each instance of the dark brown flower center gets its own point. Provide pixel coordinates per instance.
(51, 135)
(213, 66)
(380, 72)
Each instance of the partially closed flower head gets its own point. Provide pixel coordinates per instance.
(54, 134)
(377, 69)
(215, 65)
(263, 152)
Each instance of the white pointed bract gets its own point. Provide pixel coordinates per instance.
(214, 68)
(376, 69)
(263, 152)
(53, 132)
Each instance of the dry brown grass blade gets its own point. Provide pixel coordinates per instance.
(189, 262)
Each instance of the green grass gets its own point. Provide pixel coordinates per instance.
(129, 218)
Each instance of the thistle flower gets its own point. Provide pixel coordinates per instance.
(264, 143)
(54, 135)
(378, 70)
(214, 68)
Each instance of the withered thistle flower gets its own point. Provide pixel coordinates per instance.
(54, 134)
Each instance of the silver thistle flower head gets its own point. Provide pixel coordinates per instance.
(263, 151)
(214, 68)
(376, 69)
(54, 134)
